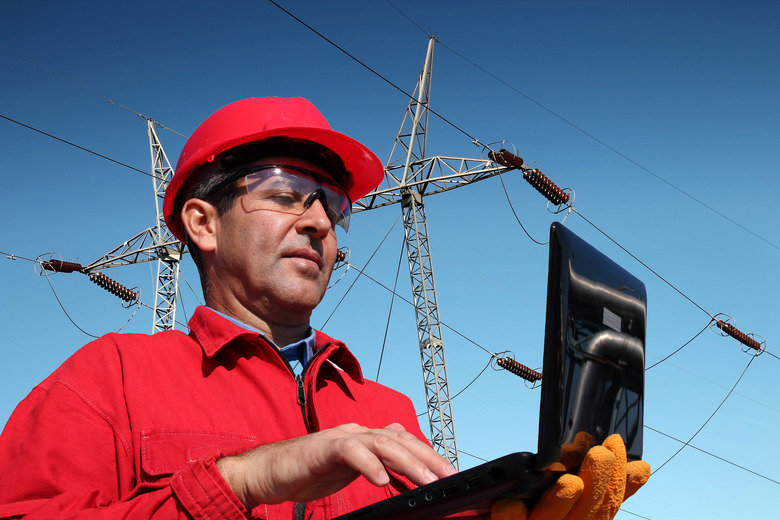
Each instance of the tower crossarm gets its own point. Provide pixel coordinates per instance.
(141, 248)
(429, 176)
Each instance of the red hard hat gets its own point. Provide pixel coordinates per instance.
(256, 119)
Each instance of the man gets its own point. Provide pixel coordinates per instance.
(253, 413)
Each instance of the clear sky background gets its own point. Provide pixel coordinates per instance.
(662, 117)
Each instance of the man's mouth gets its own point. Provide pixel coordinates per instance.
(306, 254)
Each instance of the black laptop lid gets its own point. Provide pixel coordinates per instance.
(593, 373)
(592, 381)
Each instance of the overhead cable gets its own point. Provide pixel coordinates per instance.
(76, 146)
(713, 455)
(390, 311)
(687, 443)
(608, 147)
(473, 139)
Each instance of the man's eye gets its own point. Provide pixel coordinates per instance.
(285, 197)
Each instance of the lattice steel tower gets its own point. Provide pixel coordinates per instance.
(410, 176)
(154, 243)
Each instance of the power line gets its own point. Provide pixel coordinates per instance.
(62, 306)
(474, 380)
(67, 315)
(517, 218)
(682, 347)
(686, 443)
(611, 148)
(772, 354)
(360, 272)
(729, 329)
(664, 359)
(138, 303)
(632, 255)
(412, 304)
(390, 310)
(76, 146)
(560, 197)
(555, 114)
(590, 135)
(374, 72)
(713, 455)
(624, 510)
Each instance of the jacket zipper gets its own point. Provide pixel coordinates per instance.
(299, 508)
(302, 399)
(299, 378)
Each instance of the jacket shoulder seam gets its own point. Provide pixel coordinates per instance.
(99, 411)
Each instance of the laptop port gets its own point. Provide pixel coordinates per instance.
(473, 482)
(450, 490)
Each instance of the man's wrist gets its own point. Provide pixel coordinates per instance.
(230, 469)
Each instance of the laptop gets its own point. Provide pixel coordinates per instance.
(592, 381)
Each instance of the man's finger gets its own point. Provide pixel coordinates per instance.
(558, 499)
(508, 509)
(595, 472)
(637, 474)
(374, 450)
(574, 452)
(617, 481)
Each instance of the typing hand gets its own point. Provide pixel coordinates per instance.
(317, 465)
(604, 480)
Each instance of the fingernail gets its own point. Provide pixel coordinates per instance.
(383, 478)
(429, 476)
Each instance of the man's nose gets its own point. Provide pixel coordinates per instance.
(315, 213)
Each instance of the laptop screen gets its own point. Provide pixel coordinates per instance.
(593, 375)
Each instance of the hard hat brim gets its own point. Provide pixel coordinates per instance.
(364, 169)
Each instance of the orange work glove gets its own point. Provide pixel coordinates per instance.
(604, 480)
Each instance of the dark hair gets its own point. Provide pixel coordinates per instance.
(222, 199)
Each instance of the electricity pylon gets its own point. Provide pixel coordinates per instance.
(155, 243)
(410, 176)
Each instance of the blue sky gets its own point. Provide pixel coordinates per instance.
(662, 117)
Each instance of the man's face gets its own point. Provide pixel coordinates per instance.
(275, 265)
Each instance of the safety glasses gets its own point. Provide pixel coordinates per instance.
(289, 189)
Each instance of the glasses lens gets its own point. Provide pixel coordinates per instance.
(293, 190)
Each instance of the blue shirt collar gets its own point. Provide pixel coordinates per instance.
(301, 351)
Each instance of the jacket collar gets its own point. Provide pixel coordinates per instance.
(213, 333)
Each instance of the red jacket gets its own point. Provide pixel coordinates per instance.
(131, 424)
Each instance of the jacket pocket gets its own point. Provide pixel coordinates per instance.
(164, 452)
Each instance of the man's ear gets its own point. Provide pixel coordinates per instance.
(199, 220)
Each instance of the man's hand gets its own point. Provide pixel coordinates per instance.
(317, 465)
(603, 482)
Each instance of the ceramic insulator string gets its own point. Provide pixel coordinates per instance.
(737, 334)
(60, 266)
(506, 158)
(519, 369)
(113, 287)
(546, 187)
(535, 178)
